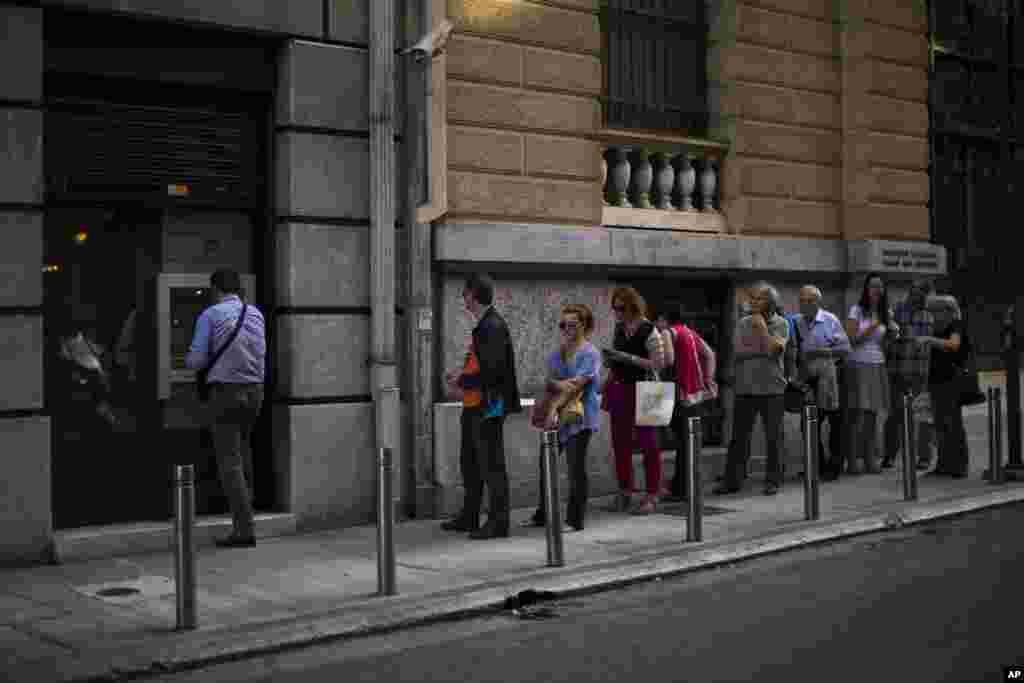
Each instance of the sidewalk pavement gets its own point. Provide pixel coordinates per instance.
(295, 590)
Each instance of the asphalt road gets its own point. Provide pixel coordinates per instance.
(942, 602)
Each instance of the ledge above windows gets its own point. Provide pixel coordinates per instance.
(658, 181)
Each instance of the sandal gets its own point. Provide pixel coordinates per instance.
(649, 506)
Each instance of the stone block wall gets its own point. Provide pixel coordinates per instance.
(25, 509)
(531, 307)
(323, 420)
(826, 105)
(523, 82)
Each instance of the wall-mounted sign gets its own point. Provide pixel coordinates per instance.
(915, 258)
(910, 259)
(425, 320)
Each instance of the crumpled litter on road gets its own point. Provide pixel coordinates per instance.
(524, 604)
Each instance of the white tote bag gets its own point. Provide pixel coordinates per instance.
(655, 402)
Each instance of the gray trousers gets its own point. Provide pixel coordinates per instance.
(233, 411)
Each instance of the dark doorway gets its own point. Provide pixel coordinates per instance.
(118, 429)
(157, 165)
(700, 304)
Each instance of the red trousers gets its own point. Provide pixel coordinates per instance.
(626, 436)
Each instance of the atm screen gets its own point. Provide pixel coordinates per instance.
(186, 305)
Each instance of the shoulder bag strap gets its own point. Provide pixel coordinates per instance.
(231, 338)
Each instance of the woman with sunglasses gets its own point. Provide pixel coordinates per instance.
(636, 353)
(573, 369)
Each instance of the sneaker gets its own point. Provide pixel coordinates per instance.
(648, 507)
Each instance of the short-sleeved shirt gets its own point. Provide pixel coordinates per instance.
(244, 362)
(944, 363)
(763, 372)
(869, 351)
(824, 333)
(586, 362)
(913, 322)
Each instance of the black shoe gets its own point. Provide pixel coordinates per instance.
(724, 490)
(533, 520)
(887, 462)
(233, 541)
(770, 489)
(675, 498)
(489, 530)
(458, 524)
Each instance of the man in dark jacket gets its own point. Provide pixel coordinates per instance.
(489, 391)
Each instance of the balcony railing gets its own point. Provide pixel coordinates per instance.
(656, 181)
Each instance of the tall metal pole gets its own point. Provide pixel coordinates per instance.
(385, 525)
(811, 490)
(552, 518)
(418, 377)
(184, 546)
(384, 376)
(909, 464)
(694, 496)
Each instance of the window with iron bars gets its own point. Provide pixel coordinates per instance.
(655, 58)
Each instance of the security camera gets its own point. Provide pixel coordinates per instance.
(432, 44)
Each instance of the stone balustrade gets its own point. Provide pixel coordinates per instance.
(658, 181)
(634, 177)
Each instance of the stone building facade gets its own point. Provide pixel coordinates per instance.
(812, 167)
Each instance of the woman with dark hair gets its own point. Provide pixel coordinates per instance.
(866, 384)
(636, 354)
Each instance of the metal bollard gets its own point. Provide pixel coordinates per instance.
(909, 463)
(385, 526)
(549, 475)
(184, 546)
(990, 398)
(694, 517)
(995, 436)
(811, 486)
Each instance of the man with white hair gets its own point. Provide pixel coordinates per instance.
(822, 341)
(759, 346)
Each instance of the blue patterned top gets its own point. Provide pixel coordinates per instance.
(586, 362)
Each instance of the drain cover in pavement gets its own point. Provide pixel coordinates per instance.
(681, 510)
(130, 591)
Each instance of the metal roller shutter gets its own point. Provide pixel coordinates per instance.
(182, 152)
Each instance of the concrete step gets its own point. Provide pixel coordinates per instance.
(89, 543)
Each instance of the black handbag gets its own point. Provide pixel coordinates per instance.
(968, 387)
(794, 396)
(202, 385)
